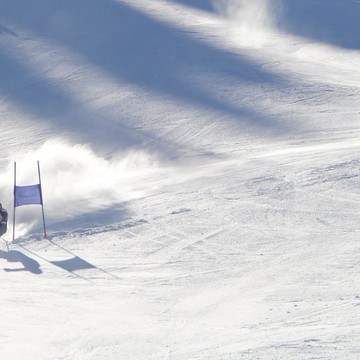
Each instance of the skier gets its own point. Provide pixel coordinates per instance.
(3, 220)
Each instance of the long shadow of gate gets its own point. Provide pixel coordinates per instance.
(72, 264)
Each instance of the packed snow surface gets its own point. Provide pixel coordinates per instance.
(200, 172)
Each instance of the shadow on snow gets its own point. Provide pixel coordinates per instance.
(199, 4)
(103, 220)
(133, 49)
(5, 30)
(333, 22)
(39, 97)
(15, 256)
(71, 264)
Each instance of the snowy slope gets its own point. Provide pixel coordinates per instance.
(200, 167)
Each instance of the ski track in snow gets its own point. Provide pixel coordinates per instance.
(216, 225)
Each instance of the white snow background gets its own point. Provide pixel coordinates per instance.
(200, 172)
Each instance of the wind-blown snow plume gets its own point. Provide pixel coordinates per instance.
(77, 181)
(251, 18)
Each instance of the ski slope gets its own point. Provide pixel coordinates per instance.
(200, 172)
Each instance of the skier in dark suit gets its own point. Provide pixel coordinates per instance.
(3, 220)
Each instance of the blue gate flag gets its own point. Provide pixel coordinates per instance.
(28, 195)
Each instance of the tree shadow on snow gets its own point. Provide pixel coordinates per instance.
(5, 30)
(37, 96)
(15, 256)
(200, 4)
(149, 54)
(333, 22)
